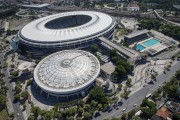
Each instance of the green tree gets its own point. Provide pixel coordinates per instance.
(97, 94)
(14, 74)
(48, 115)
(72, 110)
(93, 104)
(87, 107)
(24, 106)
(3, 101)
(171, 89)
(115, 118)
(136, 118)
(177, 75)
(120, 71)
(17, 97)
(56, 115)
(94, 48)
(79, 118)
(36, 111)
(128, 82)
(176, 116)
(156, 95)
(29, 82)
(17, 88)
(24, 95)
(80, 110)
(120, 86)
(147, 112)
(31, 117)
(12, 115)
(81, 103)
(99, 106)
(87, 115)
(124, 116)
(112, 53)
(148, 103)
(131, 114)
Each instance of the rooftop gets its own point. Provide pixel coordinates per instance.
(136, 34)
(67, 71)
(176, 6)
(125, 51)
(108, 68)
(163, 113)
(56, 28)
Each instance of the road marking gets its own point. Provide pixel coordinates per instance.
(122, 108)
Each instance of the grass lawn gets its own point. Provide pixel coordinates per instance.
(3, 115)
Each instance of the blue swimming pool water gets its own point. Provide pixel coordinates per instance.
(151, 42)
(139, 47)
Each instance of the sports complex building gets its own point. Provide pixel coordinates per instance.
(149, 41)
(67, 73)
(68, 30)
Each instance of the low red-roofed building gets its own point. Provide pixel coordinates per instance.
(163, 113)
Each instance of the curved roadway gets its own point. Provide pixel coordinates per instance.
(157, 14)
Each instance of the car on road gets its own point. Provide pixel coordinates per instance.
(123, 109)
(151, 82)
(149, 95)
(120, 103)
(110, 109)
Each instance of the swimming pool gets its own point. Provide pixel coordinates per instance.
(139, 47)
(151, 42)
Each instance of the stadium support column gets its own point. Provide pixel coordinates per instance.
(47, 95)
(77, 95)
(41, 92)
(36, 87)
(67, 98)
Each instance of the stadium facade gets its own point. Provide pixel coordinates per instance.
(67, 73)
(68, 30)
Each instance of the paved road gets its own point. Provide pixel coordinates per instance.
(167, 54)
(177, 24)
(137, 97)
(15, 106)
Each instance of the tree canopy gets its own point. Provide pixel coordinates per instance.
(3, 101)
(97, 94)
(177, 75)
(94, 48)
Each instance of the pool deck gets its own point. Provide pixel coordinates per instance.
(149, 47)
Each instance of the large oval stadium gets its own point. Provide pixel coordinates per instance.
(66, 30)
(67, 73)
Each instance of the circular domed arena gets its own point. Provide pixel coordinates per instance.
(67, 73)
(68, 30)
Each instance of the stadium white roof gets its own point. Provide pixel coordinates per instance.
(41, 30)
(67, 71)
